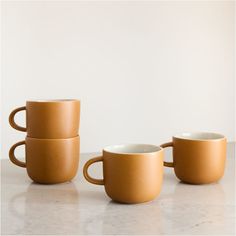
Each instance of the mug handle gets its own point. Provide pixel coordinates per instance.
(85, 171)
(12, 119)
(13, 157)
(164, 145)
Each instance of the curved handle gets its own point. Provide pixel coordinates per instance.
(12, 119)
(170, 144)
(13, 157)
(85, 171)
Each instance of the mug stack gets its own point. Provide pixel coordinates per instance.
(52, 144)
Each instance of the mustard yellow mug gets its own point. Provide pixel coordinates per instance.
(131, 173)
(198, 158)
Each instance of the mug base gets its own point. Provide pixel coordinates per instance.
(51, 181)
(198, 182)
(132, 199)
(131, 202)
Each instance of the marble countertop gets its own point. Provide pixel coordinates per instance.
(79, 207)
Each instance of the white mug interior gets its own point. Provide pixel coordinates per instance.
(201, 136)
(132, 149)
(53, 100)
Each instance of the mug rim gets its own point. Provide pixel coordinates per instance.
(153, 149)
(53, 100)
(200, 136)
(52, 139)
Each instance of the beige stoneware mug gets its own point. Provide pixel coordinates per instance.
(49, 118)
(132, 173)
(198, 158)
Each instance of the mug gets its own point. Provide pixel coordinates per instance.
(49, 118)
(198, 158)
(49, 161)
(132, 173)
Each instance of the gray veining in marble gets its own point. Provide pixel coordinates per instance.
(79, 207)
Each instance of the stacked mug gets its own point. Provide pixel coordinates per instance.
(52, 143)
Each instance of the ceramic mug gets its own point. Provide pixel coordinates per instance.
(198, 158)
(132, 173)
(49, 118)
(49, 161)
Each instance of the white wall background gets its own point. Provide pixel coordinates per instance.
(143, 70)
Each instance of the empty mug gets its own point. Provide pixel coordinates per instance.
(132, 173)
(49, 118)
(49, 161)
(198, 158)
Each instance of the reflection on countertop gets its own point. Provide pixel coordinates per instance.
(78, 207)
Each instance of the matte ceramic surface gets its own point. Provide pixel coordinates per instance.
(79, 208)
(49, 118)
(132, 173)
(49, 161)
(198, 158)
